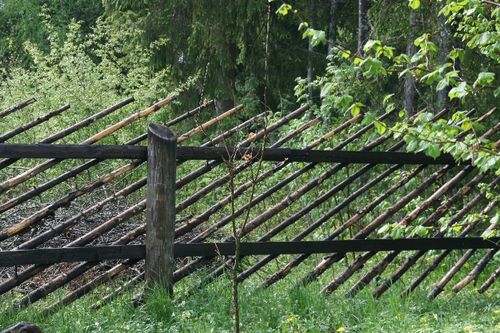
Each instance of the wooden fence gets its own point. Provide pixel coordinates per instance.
(167, 239)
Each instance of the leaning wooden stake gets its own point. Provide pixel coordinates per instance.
(71, 129)
(372, 226)
(23, 128)
(12, 182)
(439, 287)
(481, 265)
(16, 107)
(199, 219)
(435, 263)
(316, 224)
(284, 203)
(432, 219)
(160, 211)
(489, 281)
(74, 172)
(187, 269)
(382, 265)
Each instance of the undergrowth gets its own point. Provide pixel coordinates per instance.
(282, 308)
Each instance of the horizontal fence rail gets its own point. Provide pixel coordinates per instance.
(99, 253)
(218, 154)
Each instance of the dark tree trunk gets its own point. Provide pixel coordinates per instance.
(332, 25)
(410, 88)
(444, 49)
(309, 52)
(363, 26)
(309, 69)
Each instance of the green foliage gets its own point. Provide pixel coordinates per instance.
(88, 71)
(20, 21)
(225, 41)
(477, 26)
(414, 4)
(283, 308)
(284, 9)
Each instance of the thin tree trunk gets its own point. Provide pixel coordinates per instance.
(309, 68)
(444, 49)
(310, 51)
(410, 88)
(332, 25)
(363, 27)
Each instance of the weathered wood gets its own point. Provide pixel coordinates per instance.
(200, 193)
(209, 123)
(160, 212)
(39, 239)
(65, 200)
(316, 224)
(379, 220)
(87, 121)
(436, 215)
(254, 223)
(60, 227)
(10, 183)
(79, 269)
(181, 250)
(435, 263)
(74, 172)
(89, 286)
(432, 219)
(349, 271)
(353, 220)
(71, 129)
(259, 135)
(115, 293)
(276, 168)
(12, 133)
(439, 287)
(489, 281)
(72, 151)
(85, 239)
(130, 119)
(23, 327)
(474, 273)
(380, 267)
(176, 120)
(16, 107)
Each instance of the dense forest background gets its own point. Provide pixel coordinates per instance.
(339, 56)
(343, 58)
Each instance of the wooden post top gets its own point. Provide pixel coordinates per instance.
(162, 132)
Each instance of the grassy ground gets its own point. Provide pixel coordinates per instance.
(278, 309)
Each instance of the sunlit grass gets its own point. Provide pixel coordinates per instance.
(281, 308)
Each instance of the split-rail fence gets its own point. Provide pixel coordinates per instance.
(164, 242)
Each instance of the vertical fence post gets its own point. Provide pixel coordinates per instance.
(160, 212)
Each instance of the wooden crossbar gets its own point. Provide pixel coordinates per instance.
(99, 253)
(218, 153)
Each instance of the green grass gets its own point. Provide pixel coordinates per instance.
(280, 308)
